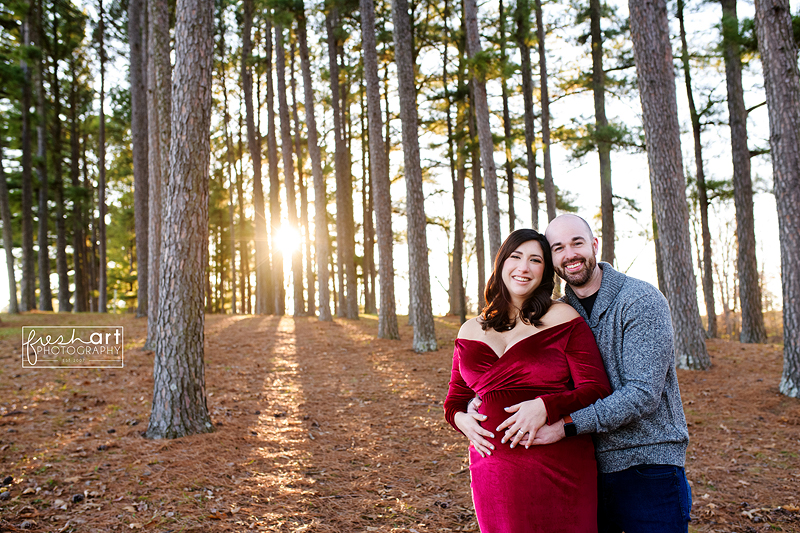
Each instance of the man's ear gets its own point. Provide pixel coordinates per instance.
(595, 245)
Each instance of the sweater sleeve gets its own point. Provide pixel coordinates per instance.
(459, 394)
(587, 372)
(643, 362)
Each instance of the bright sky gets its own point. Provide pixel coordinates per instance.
(635, 253)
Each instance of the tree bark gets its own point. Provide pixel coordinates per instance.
(288, 170)
(320, 194)
(345, 248)
(80, 302)
(702, 195)
(522, 16)
(8, 239)
(782, 82)
(387, 317)
(90, 223)
(477, 201)
(139, 138)
(348, 240)
(45, 294)
(424, 333)
(161, 70)
(278, 289)
(153, 172)
(601, 132)
(301, 182)
(650, 33)
(458, 177)
(368, 264)
(28, 283)
(58, 178)
(179, 398)
(749, 289)
(229, 167)
(263, 276)
(484, 129)
(245, 230)
(549, 184)
(101, 173)
(507, 139)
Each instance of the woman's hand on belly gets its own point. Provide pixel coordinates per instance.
(469, 424)
(528, 417)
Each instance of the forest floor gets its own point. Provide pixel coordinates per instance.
(322, 427)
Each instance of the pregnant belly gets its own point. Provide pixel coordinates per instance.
(494, 404)
(570, 454)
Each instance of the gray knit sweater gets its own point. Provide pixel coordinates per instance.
(642, 421)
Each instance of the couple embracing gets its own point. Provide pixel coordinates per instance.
(534, 380)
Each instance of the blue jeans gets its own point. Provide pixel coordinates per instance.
(644, 499)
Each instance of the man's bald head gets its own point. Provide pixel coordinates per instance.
(570, 222)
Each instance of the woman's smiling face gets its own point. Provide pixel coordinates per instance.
(523, 271)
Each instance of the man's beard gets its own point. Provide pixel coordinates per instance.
(582, 276)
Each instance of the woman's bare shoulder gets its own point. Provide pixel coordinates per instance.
(559, 313)
(471, 329)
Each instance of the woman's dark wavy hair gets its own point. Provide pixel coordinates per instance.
(498, 301)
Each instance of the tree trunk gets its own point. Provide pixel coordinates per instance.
(78, 200)
(549, 184)
(278, 289)
(263, 305)
(90, 223)
(301, 182)
(458, 176)
(179, 397)
(345, 245)
(650, 32)
(348, 240)
(153, 172)
(782, 83)
(288, 171)
(477, 200)
(660, 275)
(333, 50)
(61, 230)
(139, 138)
(424, 333)
(45, 294)
(522, 15)
(101, 173)
(601, 132)
(8, 239)
(387, 317)
(484, 129)
(229, 167)
(506, 120)
(749, 290)
(244, 226)
(320, 194)
(707, 265)
(159, 24)
(368, 265)
(28, 284)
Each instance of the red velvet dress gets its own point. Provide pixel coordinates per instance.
(544, 489)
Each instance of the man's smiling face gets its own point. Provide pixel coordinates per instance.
(573, 248)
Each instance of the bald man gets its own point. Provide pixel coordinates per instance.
(640, 429)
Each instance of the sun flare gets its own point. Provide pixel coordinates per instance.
(287, 239)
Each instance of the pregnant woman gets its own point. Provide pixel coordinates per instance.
(540, 357)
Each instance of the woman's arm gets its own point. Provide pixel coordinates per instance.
(588, 375)
(455, 407)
